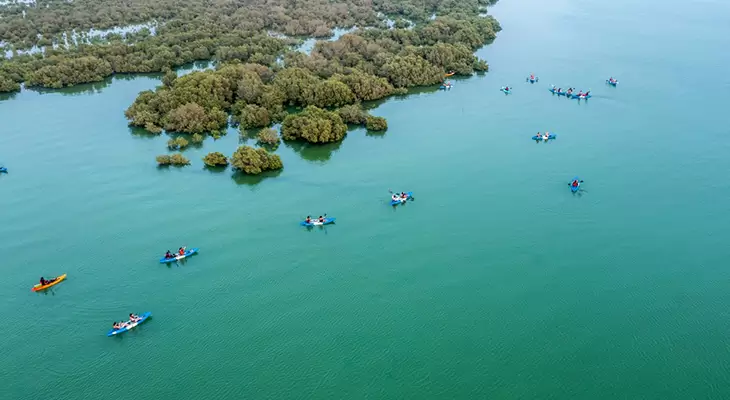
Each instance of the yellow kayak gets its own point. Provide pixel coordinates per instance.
(39, 287)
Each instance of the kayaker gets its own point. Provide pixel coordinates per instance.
(575, 183)
(169, 255)
(308, 220)
(321, 218)
(532, 77)
(395, 197)
(45, 282)
(181, 251)
(118, 325)
(403, 195)
(586, 93)
(546, 136)
(506, 88)
(133, 317)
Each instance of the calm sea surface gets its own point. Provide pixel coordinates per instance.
(495, 283)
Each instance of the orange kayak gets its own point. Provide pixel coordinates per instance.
(39, 287)
(449, 74)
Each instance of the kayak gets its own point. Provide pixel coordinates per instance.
(409, 196)
(550, 136)
(187, 254)
(449, 74)
(445, 87)
(506, 91)
(533, 80)
(39, 287)
(3, 169)
(574, 188)
(575, 96)
(316, 222)
(556, 92)
(131, 326)
(612, 83)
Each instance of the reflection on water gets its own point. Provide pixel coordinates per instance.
(141, 133)
(77, 90)
(252, 180)
(318, 153)
(215, 170)
(375, 134)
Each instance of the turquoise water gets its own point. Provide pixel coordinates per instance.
(494, 283)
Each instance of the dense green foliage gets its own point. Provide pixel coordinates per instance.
(175, 159)
(268, 136)
(255, 161)
(177, 143)
(237, 31)
(197, 138)
(62, 72)
(215, 159)
(352, 114)
(376, 123)
(314, 125)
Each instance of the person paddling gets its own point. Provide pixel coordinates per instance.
(133, 318)
(321, 219)
(46, 282)
(575, 183)
(308, 220)
(169, 255)
(181, 251)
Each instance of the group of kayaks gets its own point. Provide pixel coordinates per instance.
(570, 93)
(395, 200)
(134, 321)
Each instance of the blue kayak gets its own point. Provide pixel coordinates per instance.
(409, 196)
(614, 83)
(533, 80)
(3, 169)
(187, 254)
(130, 326)
(315, 222)
(550, 136)
(575, 96)
(574, 188)
(506, 91)
(553, 91)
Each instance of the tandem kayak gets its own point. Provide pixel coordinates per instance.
(574, 188)
(130, 326)
(188, 253)
(541, 137)
(315, 222)
(506, 91)
(553, 91)
(614, 83)
(39, 287)
(409, 196)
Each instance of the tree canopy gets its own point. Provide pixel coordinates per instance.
(171, 33)
(314, 125)
(255, 161)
